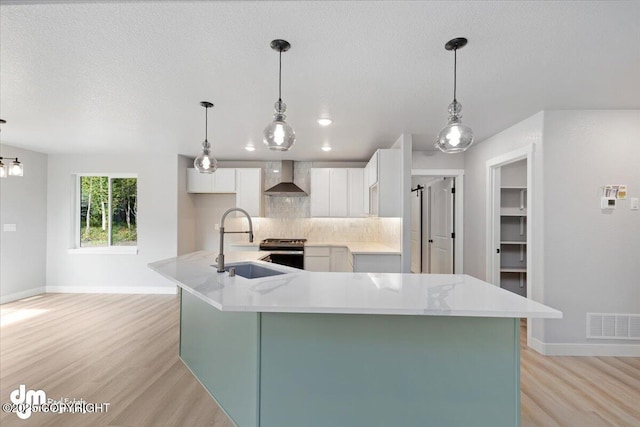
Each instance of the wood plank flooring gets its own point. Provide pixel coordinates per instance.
(122, 349)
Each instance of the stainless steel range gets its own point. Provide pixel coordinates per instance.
(289, 252)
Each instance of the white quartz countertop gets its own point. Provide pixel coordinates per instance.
(359, 248)
(300, 291)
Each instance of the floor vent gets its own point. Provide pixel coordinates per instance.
(613, 326)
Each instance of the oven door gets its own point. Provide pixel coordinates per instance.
(293, 259)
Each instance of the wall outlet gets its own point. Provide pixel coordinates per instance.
(216, 227)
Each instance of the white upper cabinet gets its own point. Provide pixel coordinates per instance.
(356, 194)
(248, 191)
(221, 181)
(319, 197)
(337, 192)
(246, 183)
(372, 175)
(224, 181)
(199, 182)
(384, 192)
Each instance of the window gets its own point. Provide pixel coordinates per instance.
(107, 213)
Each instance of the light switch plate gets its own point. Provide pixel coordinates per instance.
(9, 227)
(635, 203)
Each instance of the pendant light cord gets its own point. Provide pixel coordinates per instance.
(206, 122)
(455, 72)
(280, 79)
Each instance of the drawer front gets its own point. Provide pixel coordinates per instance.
(317, 251)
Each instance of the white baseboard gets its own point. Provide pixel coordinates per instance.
(568, 349)
(164, 290)
(20, 295)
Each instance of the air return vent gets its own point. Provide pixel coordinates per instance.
(613, 326)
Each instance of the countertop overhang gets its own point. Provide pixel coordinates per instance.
(300, 291)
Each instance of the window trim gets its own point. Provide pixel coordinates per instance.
(75, 244)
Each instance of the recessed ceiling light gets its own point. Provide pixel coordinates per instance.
(276, 170)
(326, 148)
(324, 122)
(250, 148)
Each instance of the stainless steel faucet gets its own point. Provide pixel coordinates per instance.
(220, 258)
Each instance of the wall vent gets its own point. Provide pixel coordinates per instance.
(613, 326)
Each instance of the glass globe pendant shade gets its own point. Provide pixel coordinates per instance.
(455, 137)
(16, 168)
(278, 135)
(3, 170)
(205, 162)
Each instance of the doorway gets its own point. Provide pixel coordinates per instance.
(510, 219)
(436, 221)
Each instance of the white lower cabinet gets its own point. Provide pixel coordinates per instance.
(376, 263)
(317, 258)
(327, 258)
(340, 260)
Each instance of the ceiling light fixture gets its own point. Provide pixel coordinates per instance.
(205, 162)
(15, 168)
(324, 122)
(326, 148)
(455, 137)
(249, 147)
(278, 135)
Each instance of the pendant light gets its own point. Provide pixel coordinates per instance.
(205, 162)
(15, 168)
(279, 136)
(455, 137)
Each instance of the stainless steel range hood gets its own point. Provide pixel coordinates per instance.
(286, 188)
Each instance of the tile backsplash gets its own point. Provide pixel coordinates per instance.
(383, 230)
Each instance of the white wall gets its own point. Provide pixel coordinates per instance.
(592, 257)
(404, 144)
(23, 201)
(436, 159)
(157, 225)
(526, 132)
(585, 260)
(186, 209)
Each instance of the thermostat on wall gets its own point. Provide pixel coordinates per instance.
(608, 203)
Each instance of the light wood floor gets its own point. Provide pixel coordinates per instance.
(122, 349)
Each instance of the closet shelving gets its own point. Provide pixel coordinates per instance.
(513, 238)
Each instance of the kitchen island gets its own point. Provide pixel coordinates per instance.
(351, 349)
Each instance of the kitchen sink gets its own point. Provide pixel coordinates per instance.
(250, 270)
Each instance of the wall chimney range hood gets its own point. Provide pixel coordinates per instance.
(286, 188)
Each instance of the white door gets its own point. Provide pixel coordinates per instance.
(416, 232)
(442, 227)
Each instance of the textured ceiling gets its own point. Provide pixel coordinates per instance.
(127, 77)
